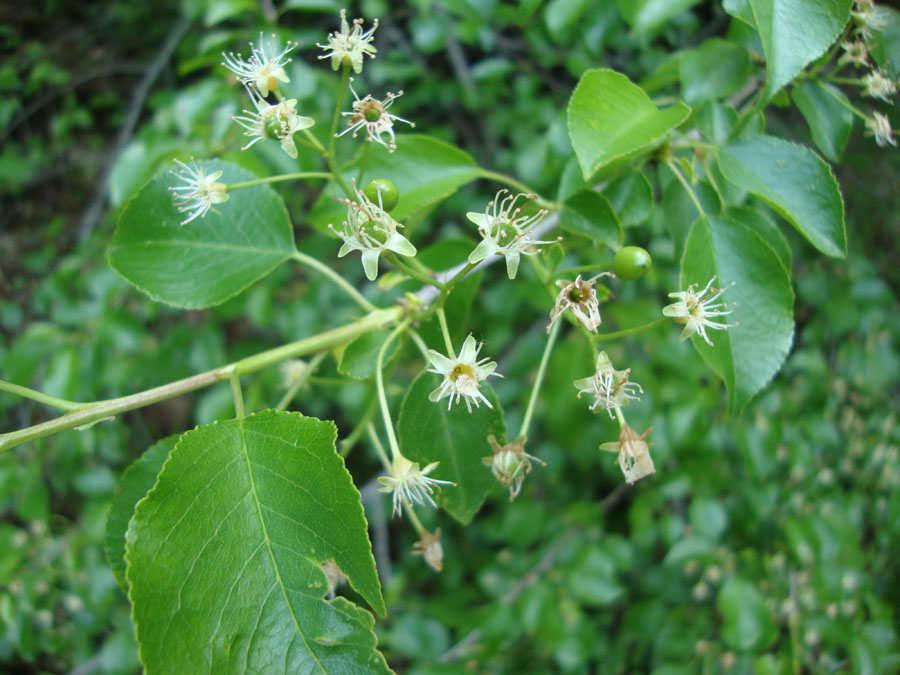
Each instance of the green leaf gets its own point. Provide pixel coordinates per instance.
(457, 308)
(740, 9)
(679, 211)
(424, 169)
(715, 69)
(748, 355)
(765, 228)
(224, 554)
(747, 623)
(830, 121)
(361, 355)
(795, 182)
(429, 432)
(646, 16)
(590, 214)
(211, 258)
(134, 484)
(690, 547)
(794, 33)
(631, 197)
(884, 45)
(612, 118)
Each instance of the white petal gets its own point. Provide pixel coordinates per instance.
(469, 350)
(512, 265)
(370, 263)
(483, 250)
(441, 362)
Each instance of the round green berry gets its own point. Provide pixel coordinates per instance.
(389, 196)
(631, 262)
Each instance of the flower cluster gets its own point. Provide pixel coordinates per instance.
(409, 483)
(264, 69)
(371, 114)
(198, 191)
(350, 44)
(462, 375)
(370, 230)
(610, 388)
(279, 121)
(697, 310)
(505, 230)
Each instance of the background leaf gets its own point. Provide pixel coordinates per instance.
(830, 121)
(211, 258)
(796, 182)
(224, 553)
(748, 355)
(747, 623)
(590, 214)
(361, 355)
(715, 69)
(428, 432)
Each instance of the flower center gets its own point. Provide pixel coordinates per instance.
(576, 295)
(371, 229)
(461, 370)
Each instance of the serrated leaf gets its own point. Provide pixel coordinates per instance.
(589, 213)
(429, 432)
(827, 112)
(746, 621)
(715, 69)
(361, 355)
(765, 228)
(424, 169)
(794, 33)
(611, 118)
(795, 182)
(224, 554)
(748, 355)
(133, 486)
(210, 259)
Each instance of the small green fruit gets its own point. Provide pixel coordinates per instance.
(388, 191)
(631, 262)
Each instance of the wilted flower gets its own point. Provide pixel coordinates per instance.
(429, 547)
(462, 375)
(581, 297)
(350, 45)
(371, 114)
(879, 86)
(510, 464)
(634, 453)
(279, 121)
(855, 52)
(880, 125)
(696, 310)
(199, 191)
(871, 17)
(371, 230)
(610, 387)
(505, 231)
(264, 68)
(409, 483)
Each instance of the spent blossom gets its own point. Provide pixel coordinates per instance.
(697, 310)
(265, 67)
(880, 126)
(371, 114)
(505, 230)
(350, 44)
(871, 17)
(879, 86)
(610, 388)
(409, 483)
(855, 52)
(462, 375)
(634, 453)
(429, 547)
(510, 464)
(198, 191)
(370, 230)
(581, 297)
(278, 121)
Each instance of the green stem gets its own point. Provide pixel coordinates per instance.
(410, 272)
(294, 386)
(632, 331)
(315, 141)
(413, 518)
(620, 416)
(348, 443)
(237, 394)
(442, 319)
(573, 271)
(40, 397)
(379, 448)
(99, 410)
(459, 276)
(338, 104)
(379, 385)
(420, 343)
(517, 185)
(748, 115)
(363, 161)
(675, 170)
(277, 179)
(852, 81)
(849, 106)
(320, 267)
(539, 378)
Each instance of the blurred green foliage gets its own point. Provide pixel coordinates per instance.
(766, 543)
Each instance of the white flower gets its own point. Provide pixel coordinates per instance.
(371, 114)
(199, 191)
(634, 453)
(880, 125)
(879, 86)
(279, 121)
(581, 297)
(371, 230)
(871, 17)
(510, 464)
(350, 45)
(429, 547)
(462, 374)
(264, 68)
(696, 310)
(610, 387)
(505, 231)
(855, 52)
(409, 483)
